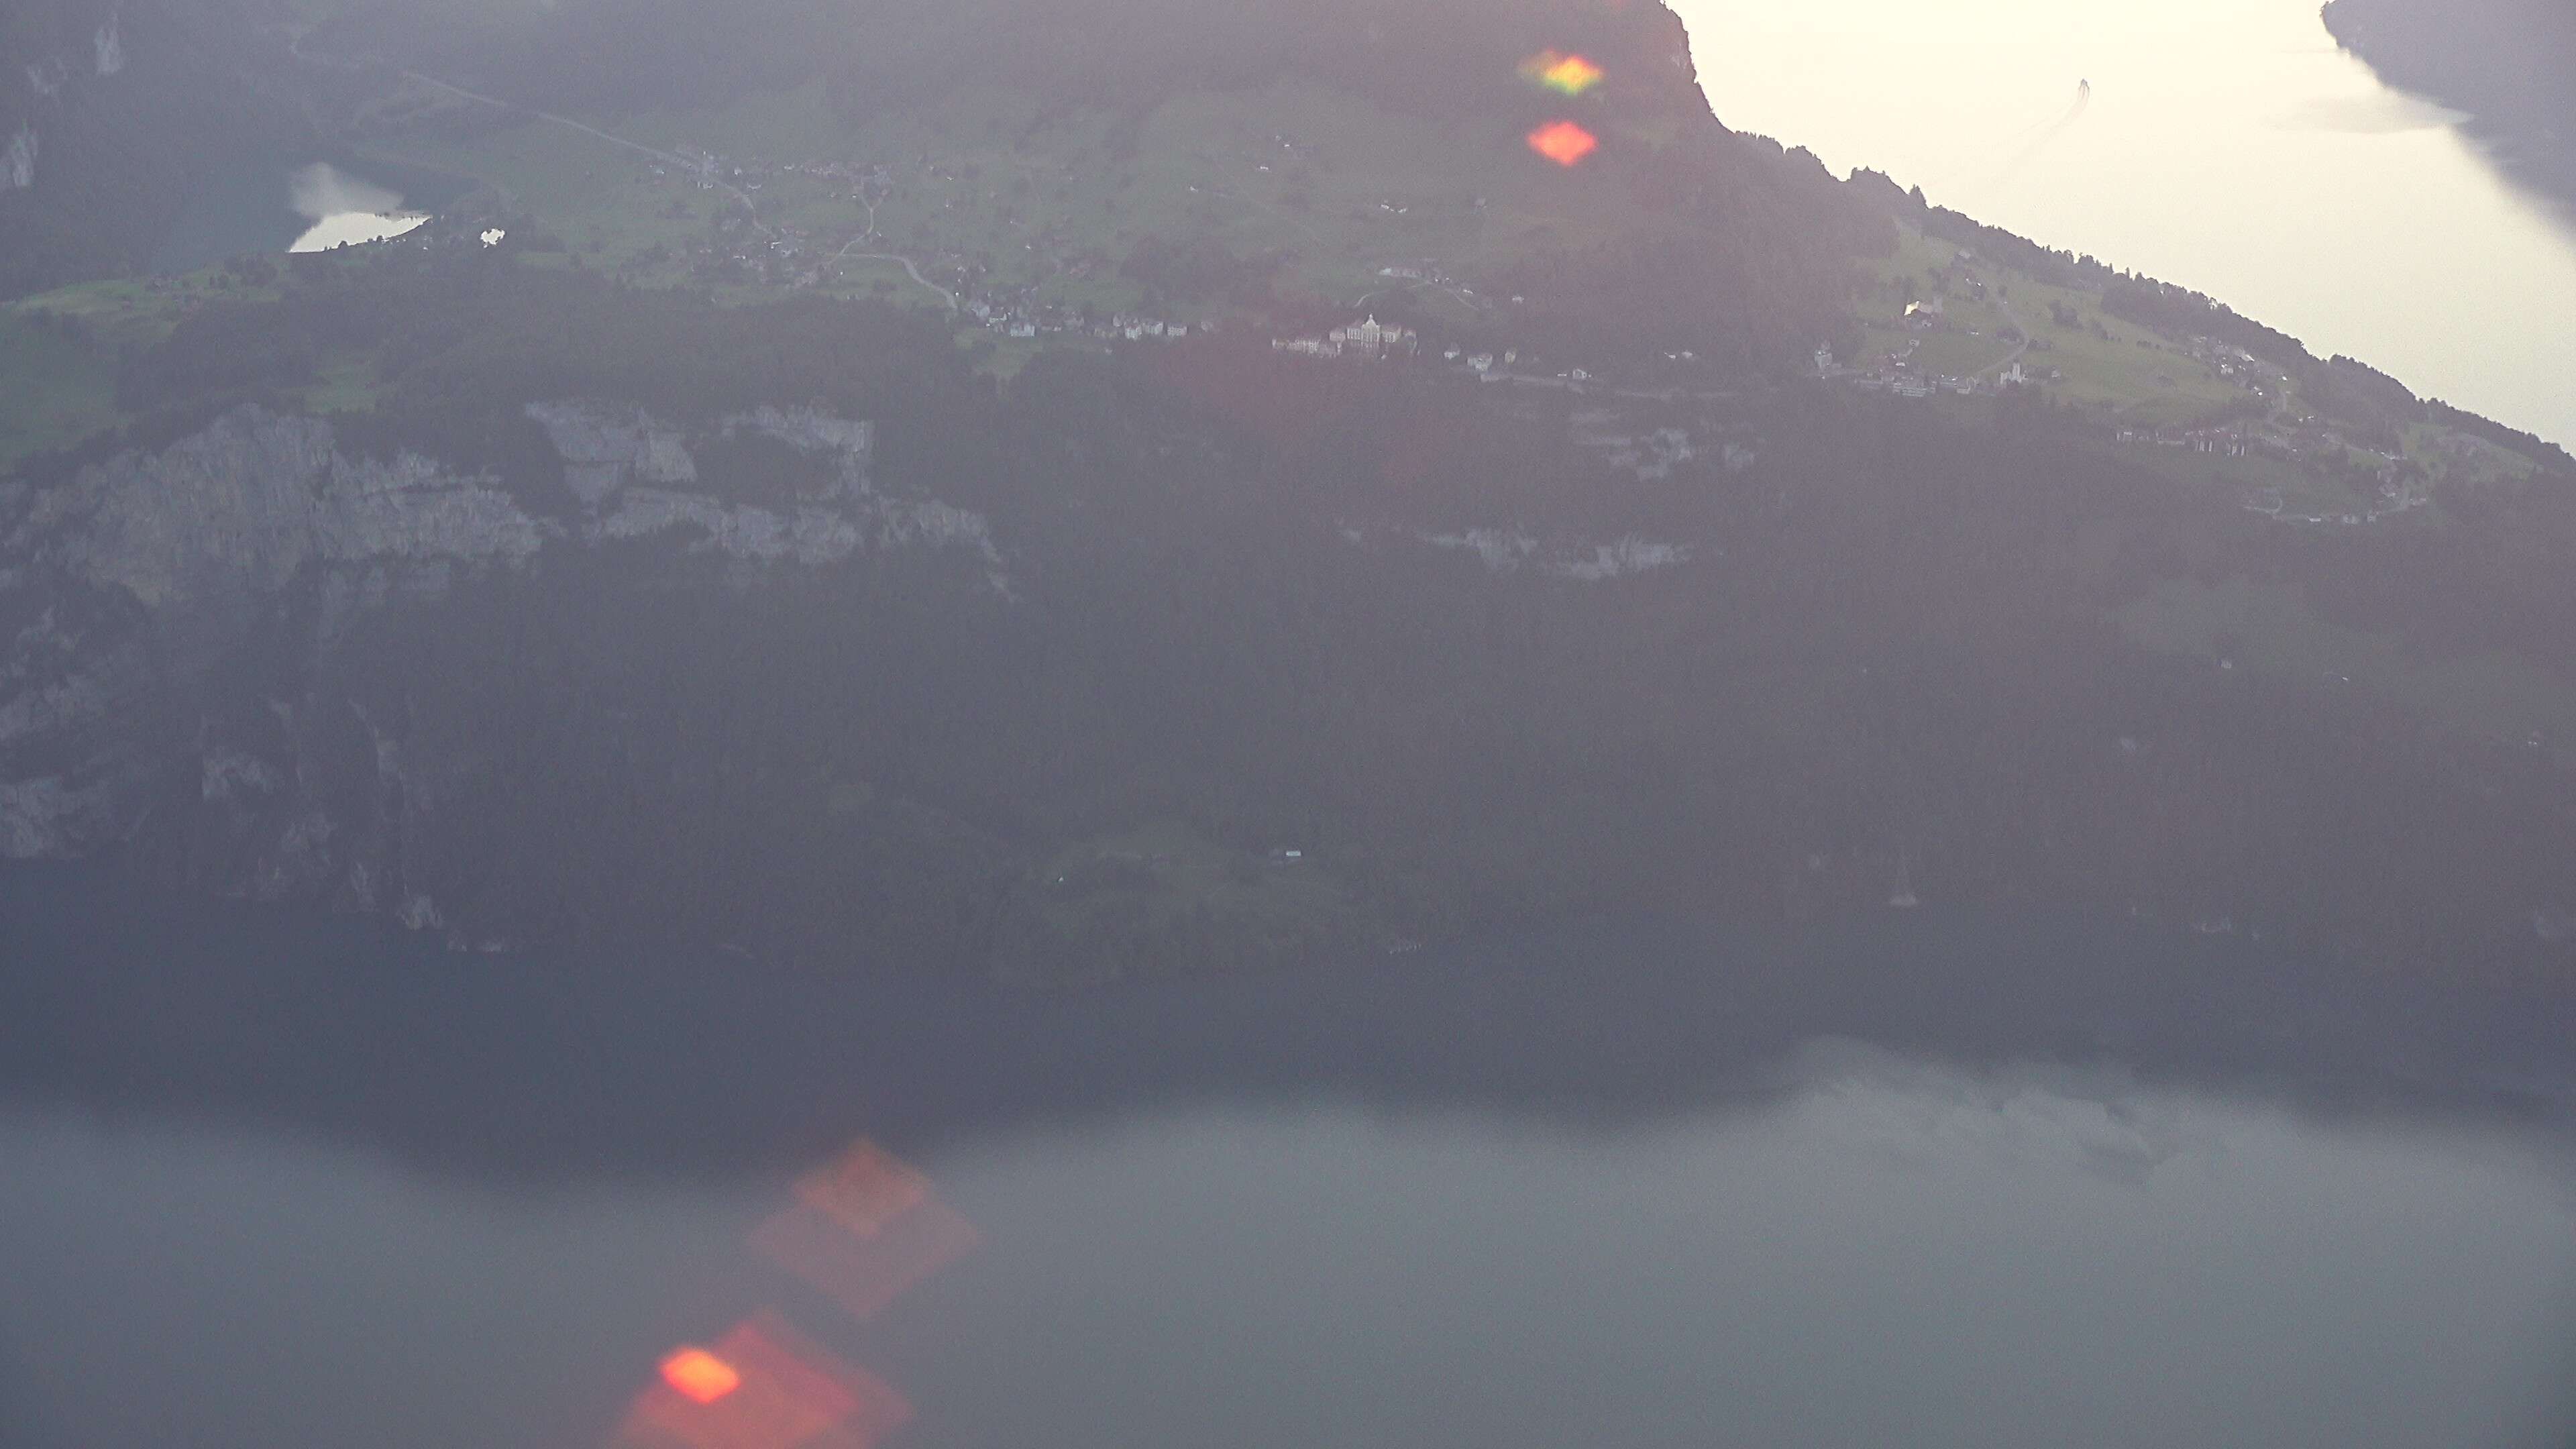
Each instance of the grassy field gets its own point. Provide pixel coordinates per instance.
(2304, 492)
(138, 313)
(59, 385)
(58, 390)
(1345, 184)
(2450, 456)
(2113, 367)
(597, 198)
(976, 189)
(2129, 377)
(2270, 629)
(1134, 895)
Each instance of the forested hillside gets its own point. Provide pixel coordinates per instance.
(853, 479)
(1238, 604)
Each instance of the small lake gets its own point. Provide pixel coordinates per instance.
(2227, 145)
(281, 1183)
(265, 204)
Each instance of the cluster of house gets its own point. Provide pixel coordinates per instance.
(2294, 442)
(1428, 274)
(709, 169)
(2232, 441)
(1898, 374)
(1369, 340)
(1026, 319)
(705, 169)
(2232, 363)
(846, 173)
(2396, 496)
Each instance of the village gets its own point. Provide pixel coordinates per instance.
(792, 256)
(1959, 326)
(1028, 248)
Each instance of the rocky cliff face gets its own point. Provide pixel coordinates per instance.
(18, 163)
(170, 623)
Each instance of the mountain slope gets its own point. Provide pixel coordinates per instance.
(994, 529)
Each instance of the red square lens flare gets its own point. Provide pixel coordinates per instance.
(1564, 142)
(780, 1390)
(699, 1376)
(865, 1229)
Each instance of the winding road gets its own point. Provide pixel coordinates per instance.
(845, 254)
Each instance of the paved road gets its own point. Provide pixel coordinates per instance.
(845, 254)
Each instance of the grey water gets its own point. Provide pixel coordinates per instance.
(283, 201)
(1951, 1181)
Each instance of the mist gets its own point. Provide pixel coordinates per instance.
(344, 210)
(322, 190)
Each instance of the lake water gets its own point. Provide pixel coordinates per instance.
(2227, 145)
(265, 204)
(297, 1185)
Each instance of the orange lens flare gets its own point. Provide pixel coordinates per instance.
(1564, 142)
(699, 1376)
(788, 1393)
(864, 1189)
(865, 1230)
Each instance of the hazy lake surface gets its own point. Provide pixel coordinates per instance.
(2228, 145)
(302, 1186)
(263, 204)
